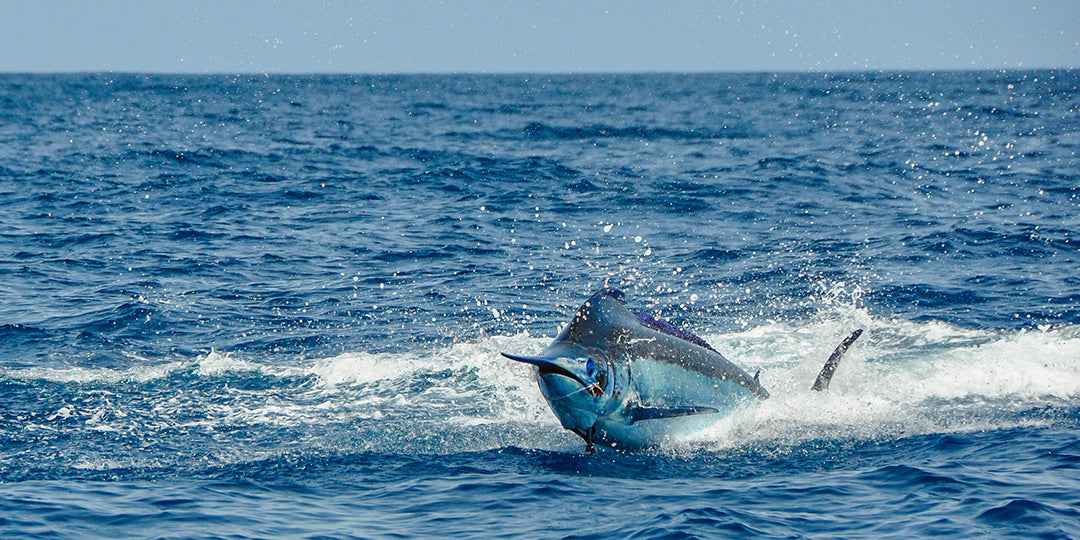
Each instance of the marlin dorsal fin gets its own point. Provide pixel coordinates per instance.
(660, 325)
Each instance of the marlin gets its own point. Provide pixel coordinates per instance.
(630, 381)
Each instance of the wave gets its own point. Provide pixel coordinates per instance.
(542, 131)
(903, 378)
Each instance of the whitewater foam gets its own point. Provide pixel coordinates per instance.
(901, 378)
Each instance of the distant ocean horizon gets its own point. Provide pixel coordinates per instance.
(250, 306)
(540, 73)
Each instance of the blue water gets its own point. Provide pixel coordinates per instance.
(248, 307)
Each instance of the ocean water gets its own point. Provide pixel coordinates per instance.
(273, 306)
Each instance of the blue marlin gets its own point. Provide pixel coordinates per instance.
(630, 381)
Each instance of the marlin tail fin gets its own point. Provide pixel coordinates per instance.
(823, 378)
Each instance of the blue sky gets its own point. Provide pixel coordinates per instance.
(408, 36)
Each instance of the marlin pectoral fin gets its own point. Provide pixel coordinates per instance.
(823, 378)
(637, 413)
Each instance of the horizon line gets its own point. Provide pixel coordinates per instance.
(543, 73)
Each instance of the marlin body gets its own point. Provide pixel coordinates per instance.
(629, 381)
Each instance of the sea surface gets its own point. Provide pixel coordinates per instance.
(273, 306)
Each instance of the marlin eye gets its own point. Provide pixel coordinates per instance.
(593, 370)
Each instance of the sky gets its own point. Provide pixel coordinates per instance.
(515, 36)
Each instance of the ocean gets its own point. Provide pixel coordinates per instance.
(272, 306)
